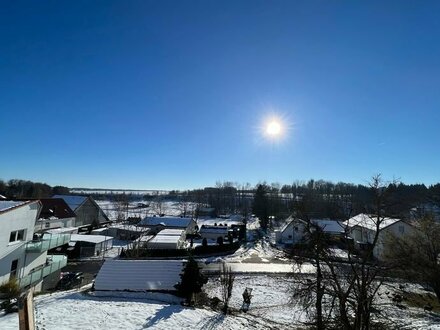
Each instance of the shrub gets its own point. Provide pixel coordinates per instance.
(9, 291)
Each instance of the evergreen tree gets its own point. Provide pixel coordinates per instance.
(261, 205)
(191, 280)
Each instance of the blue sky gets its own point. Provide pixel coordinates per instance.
(173, 94)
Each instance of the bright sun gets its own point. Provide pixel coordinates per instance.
(273, 128)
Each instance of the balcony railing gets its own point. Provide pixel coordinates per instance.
(48, 242)
(54, 263)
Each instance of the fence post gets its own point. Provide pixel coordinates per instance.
(26, 311)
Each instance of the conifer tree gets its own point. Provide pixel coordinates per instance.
(192, 280)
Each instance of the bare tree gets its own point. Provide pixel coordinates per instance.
(227, 283)
(158, 205)
(416, 255)
(343, 293)
(120, 205)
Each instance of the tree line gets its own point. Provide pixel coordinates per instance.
(17, 189)
(330, 200)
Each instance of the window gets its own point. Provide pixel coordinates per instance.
(47, 224)
(14, 266)
(17, 235)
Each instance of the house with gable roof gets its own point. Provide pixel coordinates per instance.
(293, 232)
(87, 211)
(363, 227)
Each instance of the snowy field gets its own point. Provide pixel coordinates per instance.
(75, 310)
(270, 308)
(167, 207)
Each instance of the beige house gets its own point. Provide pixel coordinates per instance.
(362, 228)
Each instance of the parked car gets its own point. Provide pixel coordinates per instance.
(69, 280)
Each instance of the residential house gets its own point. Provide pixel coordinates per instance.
(23, 256)
(166, 239)
(156, 223)
(234, 222)
(214, 232)
(362, 228)
(293, 232)
(55, 213)
(88, 213)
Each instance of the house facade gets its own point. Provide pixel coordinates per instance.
(23, 256)
(214, 232)
(87, 211)
(293, 232)
(363, 227)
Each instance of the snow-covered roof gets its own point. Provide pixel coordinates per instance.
(128, 227)
(73, 201)
(139, 275)
(218, 221)
(369, 221)
(162, 239)
(99, 230)
(171, 232)
(62, 230)
(329, 226)
(90, 238)
(166, 221)
(5, 205)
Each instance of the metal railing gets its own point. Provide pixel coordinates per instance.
(49, 241)
(54, 263)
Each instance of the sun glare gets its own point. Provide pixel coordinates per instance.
(273, 128)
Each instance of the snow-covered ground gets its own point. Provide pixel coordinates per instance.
(271, 308)
(170, 208)
(114, 310)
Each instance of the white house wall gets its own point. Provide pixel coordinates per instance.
(398, 229)
(22, 217)
(291, 236)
